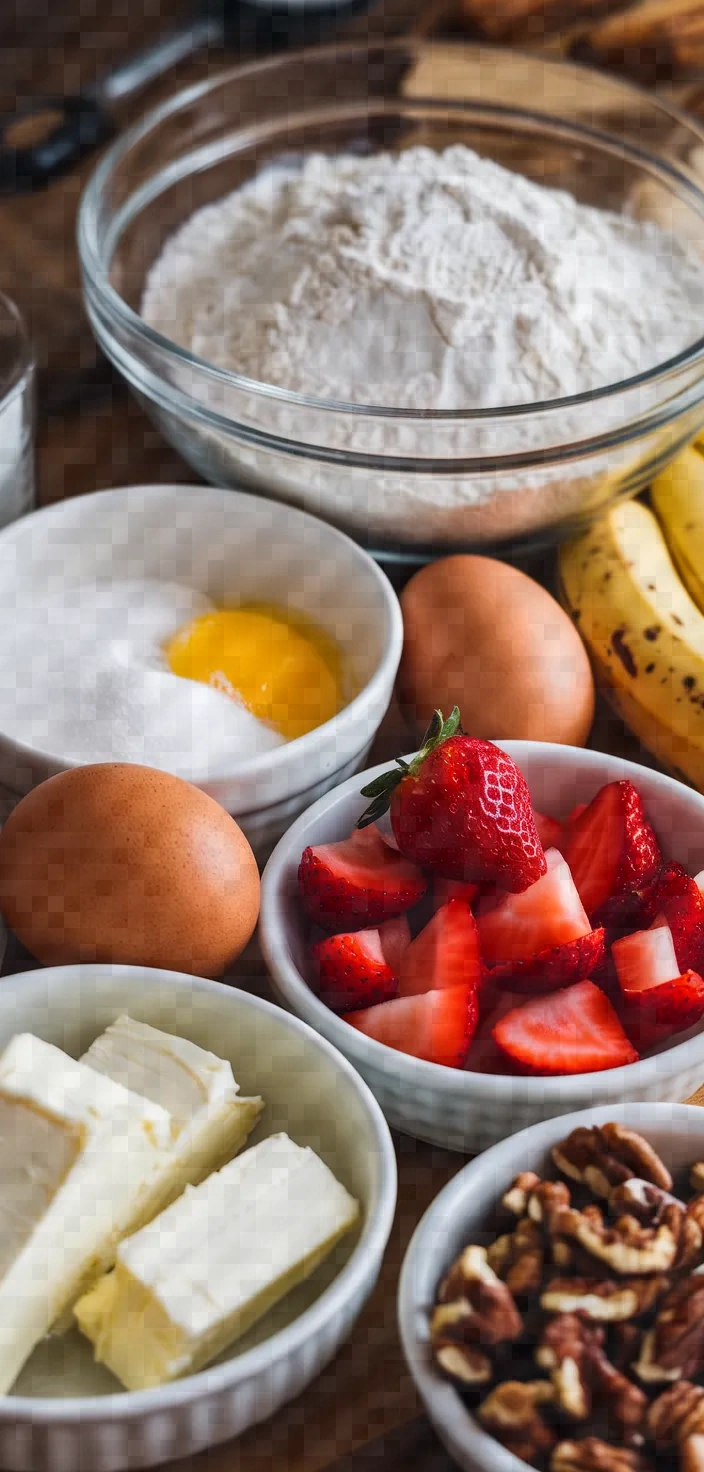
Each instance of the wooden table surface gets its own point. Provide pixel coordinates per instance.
(363, 1411)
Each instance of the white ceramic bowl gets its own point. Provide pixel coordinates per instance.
(235, 548)
(460, 1215)
(65, 1412)
(447, 1106)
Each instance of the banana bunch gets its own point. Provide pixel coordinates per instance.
(634, 585)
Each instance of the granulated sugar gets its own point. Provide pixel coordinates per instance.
(83, 675)
(421, 281)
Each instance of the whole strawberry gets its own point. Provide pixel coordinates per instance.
(462, 809)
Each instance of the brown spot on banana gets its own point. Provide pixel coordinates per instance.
(622, 651)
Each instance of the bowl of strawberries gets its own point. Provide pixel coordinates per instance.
(496, 933)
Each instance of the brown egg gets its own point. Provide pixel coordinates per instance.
(482, 635)
(122, 863)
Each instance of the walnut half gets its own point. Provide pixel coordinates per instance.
(512, 1413)
(653, 1206)
(462, 1362)
(593, 1455)
(644, 1200)
(674, 1348)
(677, 1415)
(574, 1354)
(475, 1311)
(563, 1349)
(518, 1258)
(628, 1248)
(517, 1197)
(605, 1302)
(605, 1156)
(484, 1305)
(676, 1419)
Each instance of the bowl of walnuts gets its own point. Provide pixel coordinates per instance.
(551, 1303)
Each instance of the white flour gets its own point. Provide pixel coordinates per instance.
(421, 280)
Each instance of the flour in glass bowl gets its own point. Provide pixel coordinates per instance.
(421, 281)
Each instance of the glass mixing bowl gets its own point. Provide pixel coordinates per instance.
(407, 484)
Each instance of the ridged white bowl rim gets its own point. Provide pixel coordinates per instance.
(476, 1088)
(349, 1282)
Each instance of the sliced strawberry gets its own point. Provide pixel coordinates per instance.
(611, 847)
(549, 830)
(516, 927)
(578, 809)
(352, 972)
(572, 1031)
(453, 889)
(678, 899)
(395, 937)
(360, 881)
(645, 959)
(657, 1000)
(699, 881)
(551, 969)
(656, 1013)
(435, 1025)
(485, 1055)
(445, 954)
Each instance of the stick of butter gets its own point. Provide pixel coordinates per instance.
(195, 1279)
(76, 1153)
(210, 1121)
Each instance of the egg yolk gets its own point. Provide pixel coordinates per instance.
(284, 669)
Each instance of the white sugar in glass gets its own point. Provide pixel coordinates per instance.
(16, 416)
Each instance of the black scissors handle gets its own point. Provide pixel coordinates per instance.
(48, 136)
(45, 137)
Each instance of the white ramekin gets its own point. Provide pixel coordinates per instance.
(458, 1215)
(236, 548)
(448, 1106)
(311, 1093)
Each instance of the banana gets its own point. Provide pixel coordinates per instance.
(678, 499)
(643, 631)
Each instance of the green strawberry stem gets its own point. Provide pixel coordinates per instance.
(383, 786)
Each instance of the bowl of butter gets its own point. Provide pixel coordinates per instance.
(198, 1192)
(246, 647)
